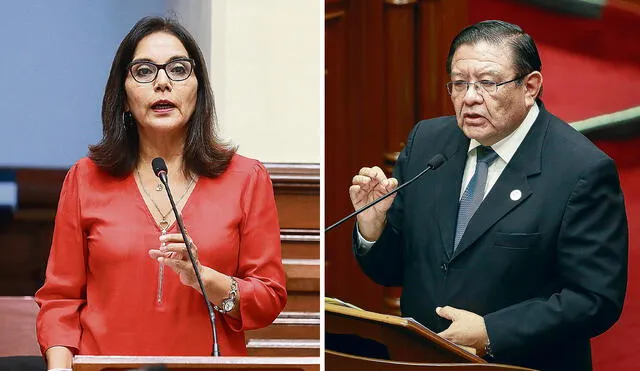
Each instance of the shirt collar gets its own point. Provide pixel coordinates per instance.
(508, 146)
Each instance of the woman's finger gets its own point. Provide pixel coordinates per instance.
(180, 248)
(155, 254)
(174, 237)
(175, 247)
(171, 239)
(178, 265)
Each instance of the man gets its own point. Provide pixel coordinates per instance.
(517, 244)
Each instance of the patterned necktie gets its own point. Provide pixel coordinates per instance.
(473, 195)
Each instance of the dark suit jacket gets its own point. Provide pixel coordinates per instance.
(547, 271)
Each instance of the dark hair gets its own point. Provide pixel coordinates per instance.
(525, 54)
(117, 153)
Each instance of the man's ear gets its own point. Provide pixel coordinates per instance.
(533, 87)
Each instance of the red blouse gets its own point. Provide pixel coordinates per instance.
(104, 295)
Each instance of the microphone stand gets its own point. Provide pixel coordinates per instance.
(212, 316)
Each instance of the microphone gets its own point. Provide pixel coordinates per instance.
(433, 164)
(160, 169)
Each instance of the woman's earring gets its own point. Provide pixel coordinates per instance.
(127, 119)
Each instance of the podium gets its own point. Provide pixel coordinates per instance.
(356, 339)
(113, 363)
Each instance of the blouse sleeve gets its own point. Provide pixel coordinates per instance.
(260, 275)
(64, 289)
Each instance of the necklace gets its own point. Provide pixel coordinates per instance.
(164, 224)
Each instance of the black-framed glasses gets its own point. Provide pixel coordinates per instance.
(461, 87)
(176, 70)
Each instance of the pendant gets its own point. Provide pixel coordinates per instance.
(164, 225)
(159, 187)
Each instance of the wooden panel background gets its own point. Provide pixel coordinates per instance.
(296, 332)
(385, 70)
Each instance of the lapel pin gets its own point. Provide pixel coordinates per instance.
(515, 195)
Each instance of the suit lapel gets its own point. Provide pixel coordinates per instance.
(497, 204)
(500, 200)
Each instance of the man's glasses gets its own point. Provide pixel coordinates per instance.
(456, 88)
(176, 70)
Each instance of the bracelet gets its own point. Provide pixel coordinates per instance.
(229, 302)
(488, 352)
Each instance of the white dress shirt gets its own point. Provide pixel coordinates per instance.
(505, 149)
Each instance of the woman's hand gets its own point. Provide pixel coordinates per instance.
(173, 253)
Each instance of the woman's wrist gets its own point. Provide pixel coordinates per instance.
(59, 357)
(218, 286)
(216, 283)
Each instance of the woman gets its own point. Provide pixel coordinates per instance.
(119, 280)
